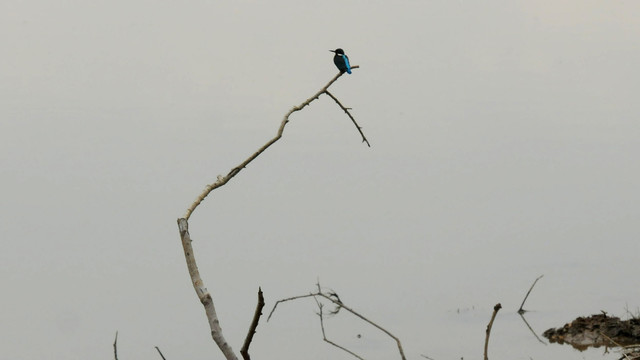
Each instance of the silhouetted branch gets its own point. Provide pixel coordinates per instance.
(486, 341)
(115, 347)
(252, 329)
(160, 352)
(521, 310)
(336, 300)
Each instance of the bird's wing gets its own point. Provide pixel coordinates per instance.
(346, 62)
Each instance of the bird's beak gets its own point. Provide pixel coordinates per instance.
(333, 51)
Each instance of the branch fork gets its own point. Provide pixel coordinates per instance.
(201, 291)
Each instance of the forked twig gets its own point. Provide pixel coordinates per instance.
(521, 310)
(335, 300)
(324, 336)
(486, 341)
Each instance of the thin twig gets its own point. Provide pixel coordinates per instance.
(252, 329)
(115, 346)
(530, 329)
(160, 352)
(367, 321)
(285, 300)
(324, 336)
(521, 310)
(486, 341)
(334, 299)
(624, 355)
(222, 180)
(346, 110)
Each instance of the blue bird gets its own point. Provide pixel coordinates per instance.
(341, 60)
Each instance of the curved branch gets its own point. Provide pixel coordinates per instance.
(346, 110)
(488, 331)
(222, 180)
(202, 292)
(183, 225)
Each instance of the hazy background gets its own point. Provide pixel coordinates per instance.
(504, 146)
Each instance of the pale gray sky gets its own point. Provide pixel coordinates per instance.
(504, 145)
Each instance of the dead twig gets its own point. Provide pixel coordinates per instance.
(530, 329)
(630, 352)
(486, 341)
(324, 336)
(285, 300)
(115, 346)
(252, 329)
(332, 297)
(160, 352)
(346, 110)
(521, 310)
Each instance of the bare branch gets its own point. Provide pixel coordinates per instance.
(287, 299)
(115, 347)
(160, 352)
(252, 329)
(202, 292)
(367, 321)
(530, 329)
(324, 336)
(486, 341)
(222, 180)
(183, 225)
(346, 110)
(334, 299)
(521, 310)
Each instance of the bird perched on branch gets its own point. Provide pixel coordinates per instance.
(341, 60)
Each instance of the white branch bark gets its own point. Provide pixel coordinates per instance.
(183, 224)
(202, 292)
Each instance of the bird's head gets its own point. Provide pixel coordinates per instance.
(338, 51)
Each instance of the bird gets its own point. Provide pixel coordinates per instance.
(341, 60)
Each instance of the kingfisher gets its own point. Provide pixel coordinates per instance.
(341, 60)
